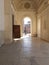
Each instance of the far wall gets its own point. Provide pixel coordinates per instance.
(20, 15)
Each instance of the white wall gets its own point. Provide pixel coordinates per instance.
(8, 11)
(1, 22)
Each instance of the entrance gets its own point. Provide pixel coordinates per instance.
(26, 26)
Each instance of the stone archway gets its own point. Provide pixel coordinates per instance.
(26, 26)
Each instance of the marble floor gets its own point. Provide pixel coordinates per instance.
(25, 51)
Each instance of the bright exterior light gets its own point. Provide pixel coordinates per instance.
(26, 20)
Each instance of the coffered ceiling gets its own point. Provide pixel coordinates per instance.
(27, 4)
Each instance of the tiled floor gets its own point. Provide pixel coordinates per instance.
(25, 51)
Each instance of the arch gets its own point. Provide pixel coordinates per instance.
(26, 25)
(27, 20)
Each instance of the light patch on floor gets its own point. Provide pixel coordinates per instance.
(24, 36)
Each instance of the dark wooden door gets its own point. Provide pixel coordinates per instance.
(16, 31)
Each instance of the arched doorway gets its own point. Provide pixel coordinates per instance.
(26, 26)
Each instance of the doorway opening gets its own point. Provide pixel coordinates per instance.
(26, 26)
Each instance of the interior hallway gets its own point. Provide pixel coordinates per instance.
(29, 50)
(26, 51)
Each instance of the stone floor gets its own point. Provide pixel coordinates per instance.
(25, 51)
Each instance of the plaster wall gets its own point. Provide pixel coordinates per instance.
(20, 15)
(8, 12)
(1, 22)
(44, 24)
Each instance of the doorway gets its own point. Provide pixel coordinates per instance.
(15, 29)
(26, 26)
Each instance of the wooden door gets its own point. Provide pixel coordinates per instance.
(16, 31)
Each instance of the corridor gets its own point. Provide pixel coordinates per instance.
(26, 51)
(29, 49)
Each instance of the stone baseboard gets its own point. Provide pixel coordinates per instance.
(34, 35)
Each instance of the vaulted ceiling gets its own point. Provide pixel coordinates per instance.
(27, 4)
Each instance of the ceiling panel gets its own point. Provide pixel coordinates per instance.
(32, 4)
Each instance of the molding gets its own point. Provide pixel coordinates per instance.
(12, 8)
(44, 39)
(34, 5)
(8, 41)
(43, 7)
(13, 3)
